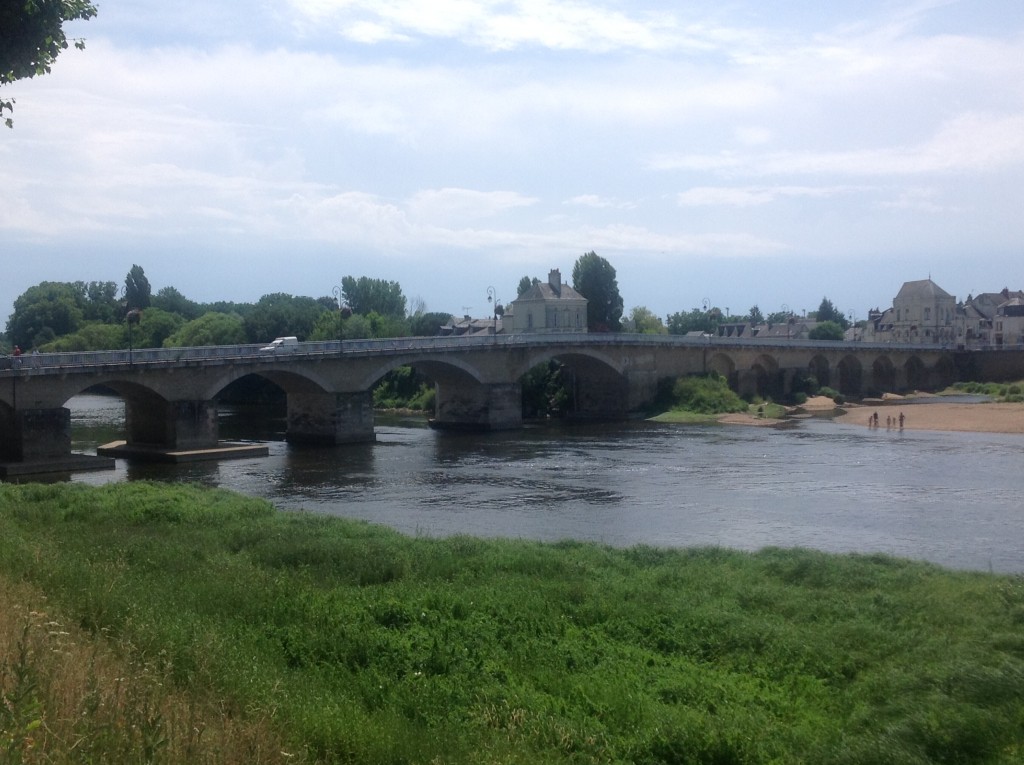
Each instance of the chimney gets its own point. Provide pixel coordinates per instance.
(555, 281)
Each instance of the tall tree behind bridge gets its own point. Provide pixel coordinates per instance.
(137, 291)
(31, 38)
(828, 312)
(594, 278)
(365, 296)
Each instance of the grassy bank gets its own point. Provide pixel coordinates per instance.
(350, 643)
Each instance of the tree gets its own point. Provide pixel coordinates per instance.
(171, 300)
(136, 288)
(45, 311)
(645, 322)
(32, 36)
(428, 324)
(826, 330)
(828, 312)
(280, 314)
(755, 316)
(524, 284)
(594, 278)
(365, 296)
(100, 301)
(697, 320)
(209, 329)
(156, 325)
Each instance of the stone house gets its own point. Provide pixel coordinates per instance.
(550, 306)
(922, 312)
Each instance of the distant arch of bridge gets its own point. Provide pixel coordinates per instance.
(170, 394)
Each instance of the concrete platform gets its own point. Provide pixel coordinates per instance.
(72, 463)
(223, 451)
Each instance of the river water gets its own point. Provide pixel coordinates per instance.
(950, 498)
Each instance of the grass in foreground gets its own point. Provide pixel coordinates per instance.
(355, 644)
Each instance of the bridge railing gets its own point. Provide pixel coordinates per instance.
(82, 360)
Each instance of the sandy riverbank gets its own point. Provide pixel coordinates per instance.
(939, 415)
(933, 415)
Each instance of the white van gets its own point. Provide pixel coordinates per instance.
(282, 345)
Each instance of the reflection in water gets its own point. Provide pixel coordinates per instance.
(951, 498)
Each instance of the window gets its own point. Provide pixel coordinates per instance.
(927, 314)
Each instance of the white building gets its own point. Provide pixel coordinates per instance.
(547, 307)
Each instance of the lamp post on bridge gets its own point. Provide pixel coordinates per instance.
(338, 292)
(131, 316)
(496, 309)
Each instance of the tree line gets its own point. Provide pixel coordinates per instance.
(103, 315)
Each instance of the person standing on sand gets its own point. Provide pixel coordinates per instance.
(901, 420)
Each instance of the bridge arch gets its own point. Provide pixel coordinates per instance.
(763, 379)
(916, 372)
(945, 373)
(598, 387)
(883, 375)
(851, 375)
(819, 368)
(723, 364)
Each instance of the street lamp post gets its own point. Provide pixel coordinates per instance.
(131, 316)
(338, 292)
(496, 308)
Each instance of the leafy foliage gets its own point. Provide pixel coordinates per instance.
(365, 296)
(171, 300)
(545, 391)
(706, 394)
(696, 320)
(404, 388)
(826, 330)
(645, 322)
(45, 311)
(137, 291)
(524, 285)
(209, 329)
(828, 312)
(32, 36)
(428, 324)
(280, 314)
(594, 278)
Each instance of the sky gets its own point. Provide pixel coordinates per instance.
(729, 151)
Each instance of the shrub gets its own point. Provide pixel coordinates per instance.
(706, 394)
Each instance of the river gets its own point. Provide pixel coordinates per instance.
(950, 498)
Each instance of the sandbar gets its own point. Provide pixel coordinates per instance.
(982, 417)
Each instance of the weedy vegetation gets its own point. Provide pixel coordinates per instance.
(170, 623)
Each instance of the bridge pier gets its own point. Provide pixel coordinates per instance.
(480, 407)
(330, 418)
(36, 435)
(171, 425)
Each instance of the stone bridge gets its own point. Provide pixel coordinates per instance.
(171, 394)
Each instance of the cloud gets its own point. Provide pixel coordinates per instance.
(450, 204)
(754, 196)
(597, 202)
(497, 25)
(978, 143)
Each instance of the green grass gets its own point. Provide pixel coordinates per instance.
(1008, 392)
(364, 646)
